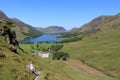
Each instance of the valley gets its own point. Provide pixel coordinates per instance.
(94, 57)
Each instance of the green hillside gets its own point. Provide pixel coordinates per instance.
(95, 57)
(14, 67)
(13, 63)
(100, 51)
(22, 29)
(100, 22)
(100, 47)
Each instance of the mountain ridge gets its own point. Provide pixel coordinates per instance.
(22, 29)
(103, 21)
(25, 29)
(3, 15)
(52, 29)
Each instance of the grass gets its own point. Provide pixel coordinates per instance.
(14, 67)
(31, 47)
(101, 53)
(20, 36)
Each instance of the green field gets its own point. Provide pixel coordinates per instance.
(14, 67)
(100, 51)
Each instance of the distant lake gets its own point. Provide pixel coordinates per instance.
(43, 38)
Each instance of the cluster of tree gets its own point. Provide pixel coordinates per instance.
(57, 54)
(60, 55)
(52, 48)
(38, 47)
(25, 42)
(56, 48)
(70, 34)
(42, 48)
(71, 37)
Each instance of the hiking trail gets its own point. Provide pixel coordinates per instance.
(83, 69)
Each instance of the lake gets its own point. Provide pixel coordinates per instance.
(43, 38)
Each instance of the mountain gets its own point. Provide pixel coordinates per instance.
(100, 46)
(3, 16)
(74, 30)
(101, 22)
(25, 29)
(22, 29)
(52, 29)
(92, 59)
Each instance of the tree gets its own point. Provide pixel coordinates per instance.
(56, 48)
(9, 24)
(60, 55)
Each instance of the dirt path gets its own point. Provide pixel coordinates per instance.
(86, 70)
(38, 77)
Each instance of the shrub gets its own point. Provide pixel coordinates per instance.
(56, 48)
(60, 55)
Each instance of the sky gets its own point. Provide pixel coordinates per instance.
(65, 13)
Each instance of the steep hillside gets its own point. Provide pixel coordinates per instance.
(22, 29)
(100, 46)
(25, 29)
(100, 50)
(52, 29)
(101, 22)
(3, 16)
(14, 63)
(13, 66)
(74, 30)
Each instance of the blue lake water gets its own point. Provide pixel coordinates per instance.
(44, 38)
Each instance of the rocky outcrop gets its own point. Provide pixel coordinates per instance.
(8, 34)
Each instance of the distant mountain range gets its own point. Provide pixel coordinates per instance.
(24, 30)
(51, 29)
(99, 23)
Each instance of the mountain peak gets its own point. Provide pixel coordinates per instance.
(100, 22)
(3, 15)
(57, 27)
(52, 29)
(15, 19)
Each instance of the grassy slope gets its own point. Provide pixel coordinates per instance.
(101, 51)
(21, 36)
(24, 30)
(14, 67)
(66, 72)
